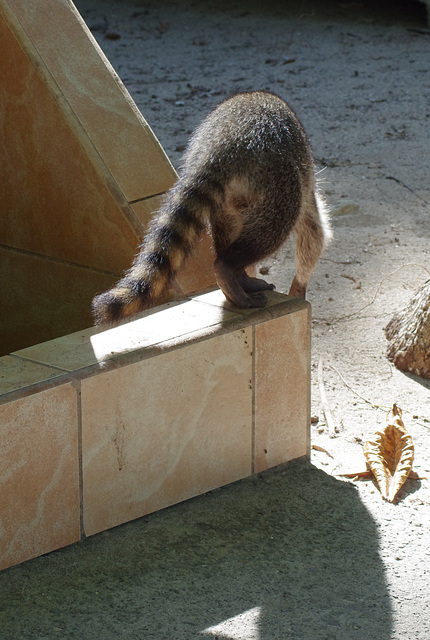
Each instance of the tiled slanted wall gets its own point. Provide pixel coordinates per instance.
(80, 171)
(101, 427)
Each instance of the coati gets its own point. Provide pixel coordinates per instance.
(248, 175)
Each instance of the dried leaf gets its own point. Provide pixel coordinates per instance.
(357, 474)
(318, 448)
(390, 454)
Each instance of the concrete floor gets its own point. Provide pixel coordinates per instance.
(289, 554)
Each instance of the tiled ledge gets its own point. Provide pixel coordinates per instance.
(101, 427)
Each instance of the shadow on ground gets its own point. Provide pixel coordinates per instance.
(291, 554)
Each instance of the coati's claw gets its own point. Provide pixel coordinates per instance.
(250, 285)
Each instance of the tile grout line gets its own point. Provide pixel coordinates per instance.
(309, 384)
(146, 198)
(38, 362)
(80, 463)
(253, 353)
(60, 261)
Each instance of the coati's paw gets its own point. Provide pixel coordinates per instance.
(243, 300)
(257, 300)
(239, 288)
(250, 285)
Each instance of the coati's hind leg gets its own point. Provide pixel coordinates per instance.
(236, 248)
(313, 233)
(235, 283)
(238, 287)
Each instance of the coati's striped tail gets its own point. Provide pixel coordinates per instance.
(171, 238)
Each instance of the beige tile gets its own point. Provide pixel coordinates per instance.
(39, 486)
(54, 202)
(282, 389)
(143, 209)
(72, 352)
(18, 374)
(168, 324)
(97, 97)
(276, 303)
(217, 299)
(165, 429)
(45, 299)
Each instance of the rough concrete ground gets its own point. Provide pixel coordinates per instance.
(298, 553)
(291, 554)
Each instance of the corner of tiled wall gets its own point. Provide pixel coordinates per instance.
(101, 427)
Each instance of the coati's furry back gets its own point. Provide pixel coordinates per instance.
(248, 175)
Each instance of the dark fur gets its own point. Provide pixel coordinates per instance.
(248, 175)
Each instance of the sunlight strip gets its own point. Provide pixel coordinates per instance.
(245, 626)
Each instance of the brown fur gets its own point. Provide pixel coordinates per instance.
(248, 176)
